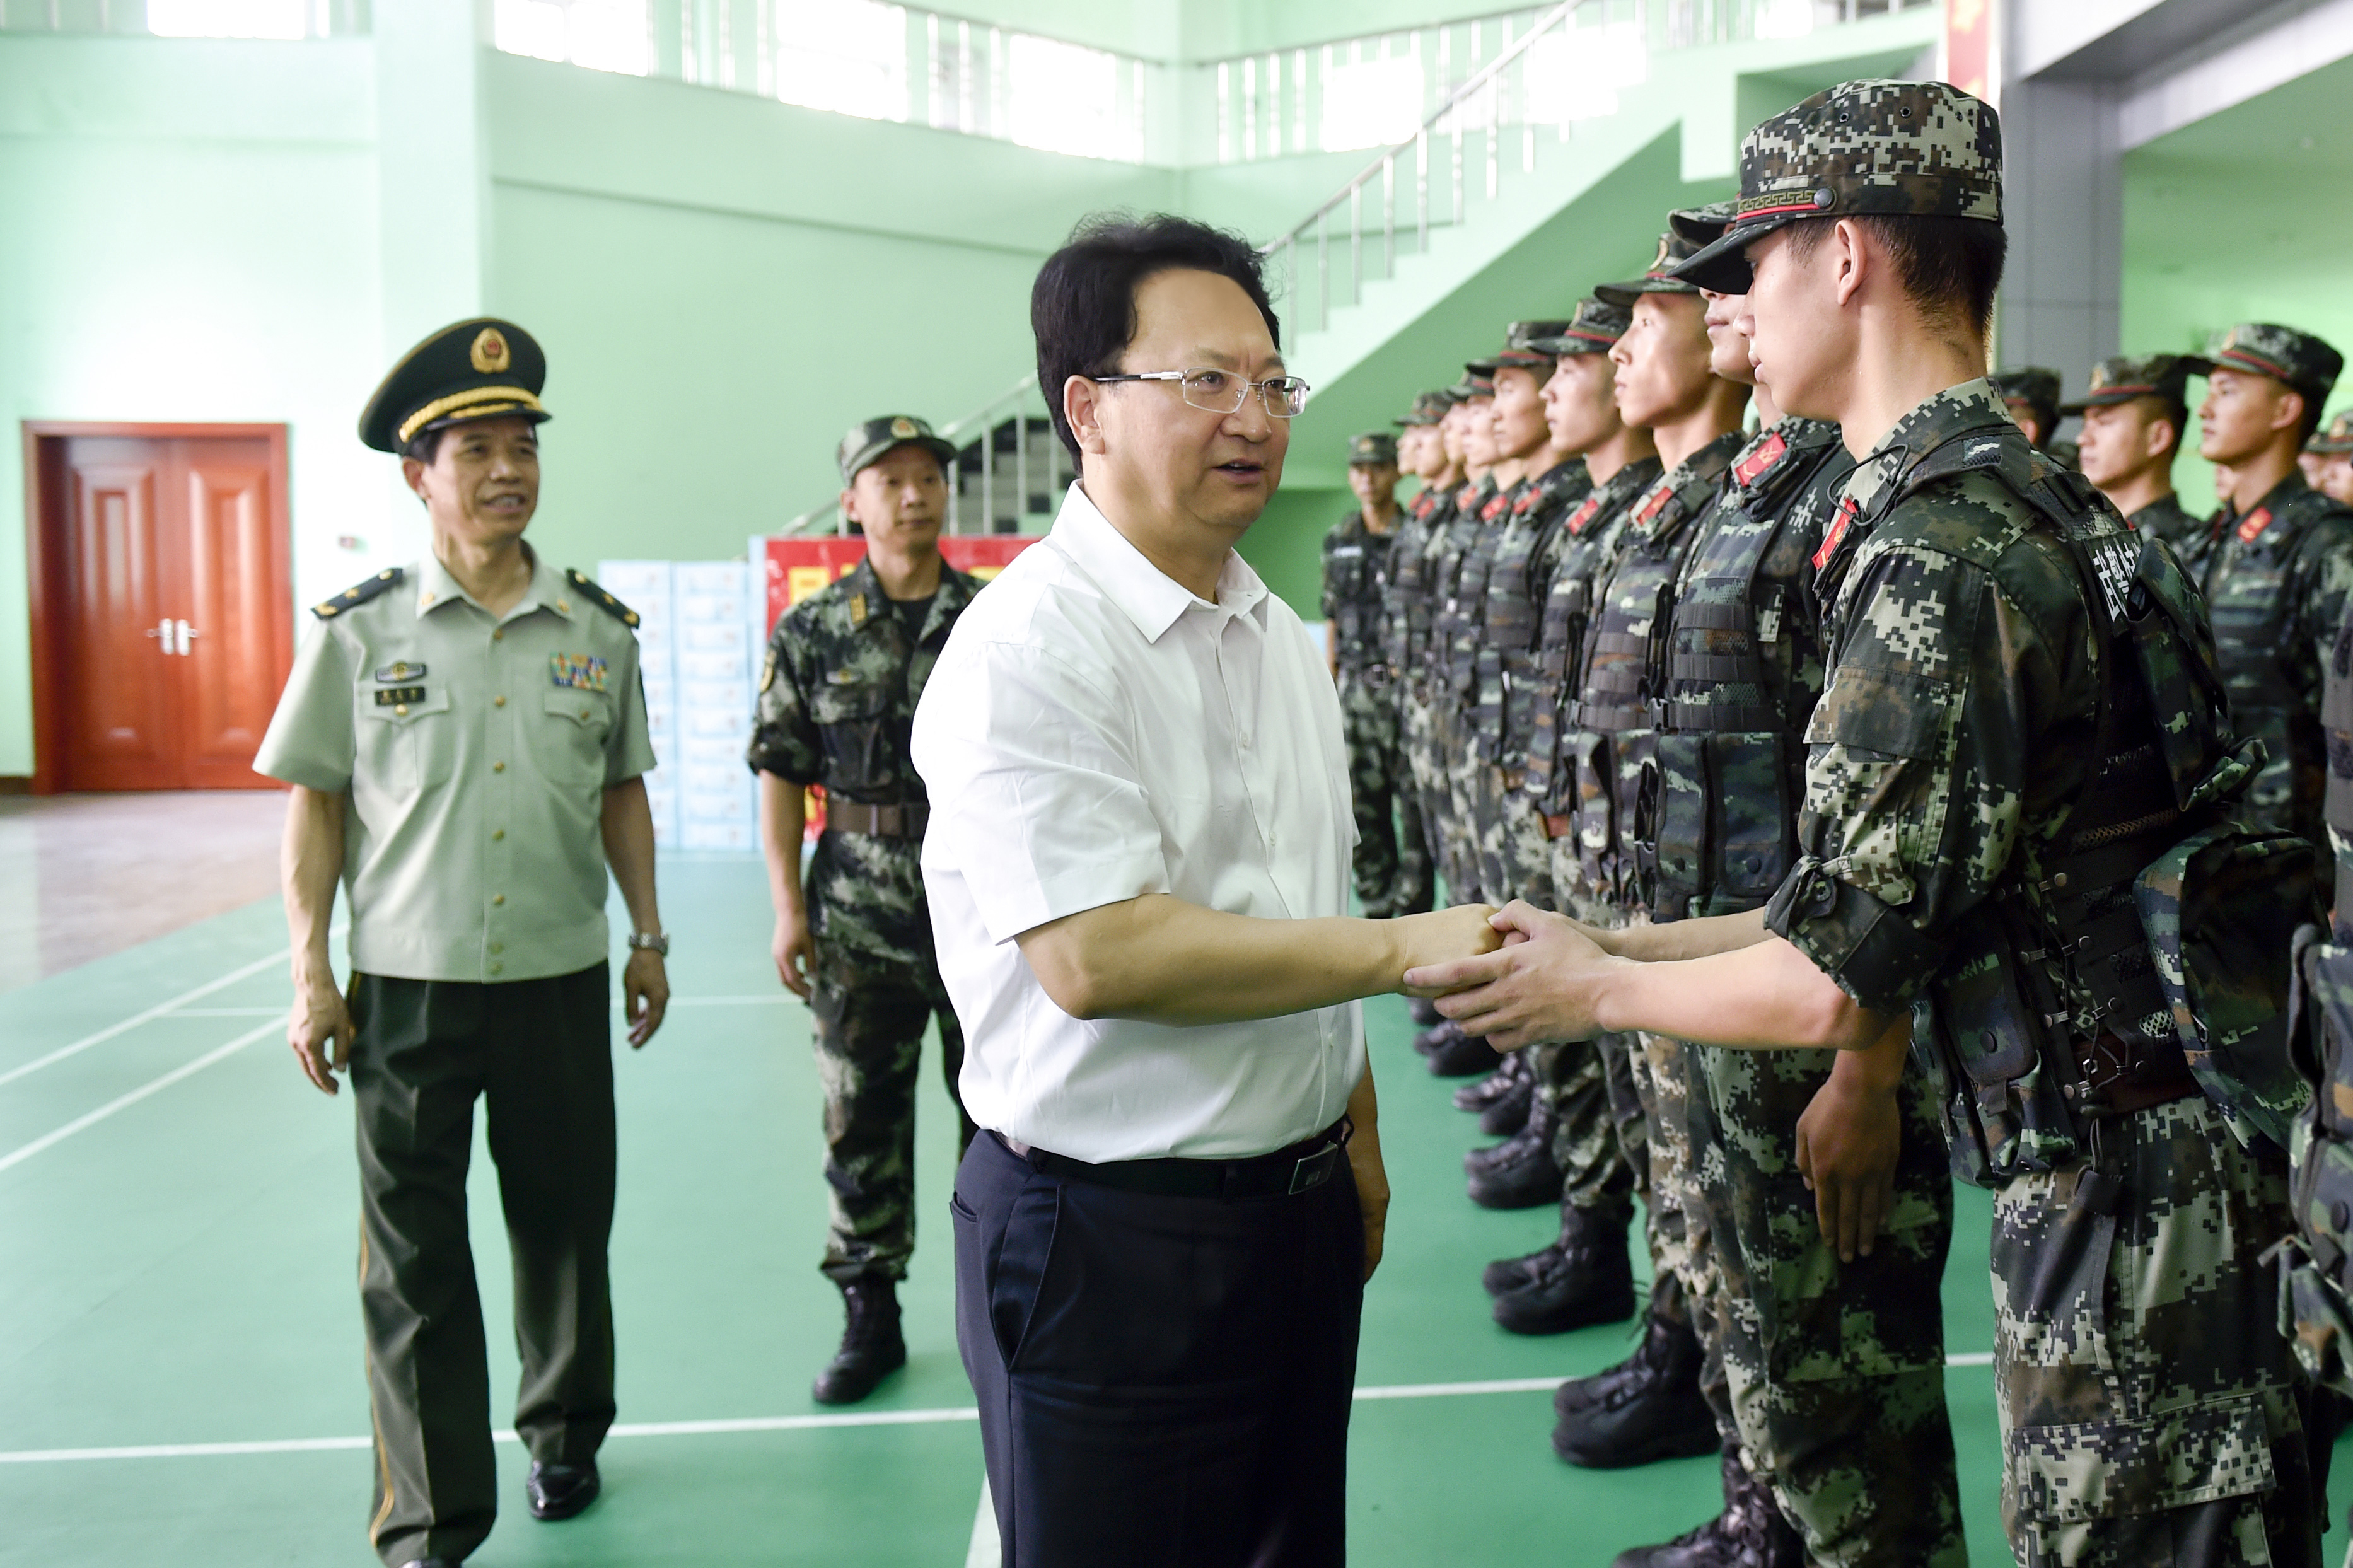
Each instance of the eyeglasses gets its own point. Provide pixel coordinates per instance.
(1223, 392)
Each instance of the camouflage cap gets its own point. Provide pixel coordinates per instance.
(2300, 361)
(1372, 447)
(1886, 148)
(1478, 381)
(1428, 408)
(1592, 330)
(1519, 346)
(1660, 279)
(1701, 226)
(2338, 439)
(864, 444)
(2034, 385)
(2128, 377)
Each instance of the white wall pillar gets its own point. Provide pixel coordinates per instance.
(2064, 205)
(433, 165)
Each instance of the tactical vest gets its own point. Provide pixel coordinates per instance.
(1730, 729)
(1611, 738)
(1409, 575)
(1355, 585)
(1505, 679)
(1451, 552)
(1470, 625)
(1589, 536)
(2141, 958)
(864, 720)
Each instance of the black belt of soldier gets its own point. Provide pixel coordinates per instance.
(2122, 1075)
(877, 821)
(1285, 1173)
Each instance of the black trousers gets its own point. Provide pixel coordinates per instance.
(540, 1053)
(1164, 1382)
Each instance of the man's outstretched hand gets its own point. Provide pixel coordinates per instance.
(1543, 984)
(1445, 936)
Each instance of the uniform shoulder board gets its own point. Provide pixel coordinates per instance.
(603, 601)
(360, 593)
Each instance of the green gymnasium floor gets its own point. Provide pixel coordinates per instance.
(179, 1342)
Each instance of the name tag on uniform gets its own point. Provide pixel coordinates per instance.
(401, 670)
(577, 671)
(393, 696)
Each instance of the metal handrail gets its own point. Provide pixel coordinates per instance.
(986, 417)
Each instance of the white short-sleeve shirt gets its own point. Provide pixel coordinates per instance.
(1094, 732)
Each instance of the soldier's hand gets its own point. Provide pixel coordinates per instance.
(1443, 936)
(644, 995)
(795, 953)
(319, 1028)
(1541, 983)
(1848, 1142)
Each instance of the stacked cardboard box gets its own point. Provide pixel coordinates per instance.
(645, 587)
(712, 653)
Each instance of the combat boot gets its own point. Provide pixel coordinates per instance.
(1502, 1081)
(1444, 1032)
(1581, 1279)
(1749, 1533)
(1519, 1172)
(1423, 1011)
(1508, 1274)
(872, 1347)
(1465, 1055)
(1649, 1408)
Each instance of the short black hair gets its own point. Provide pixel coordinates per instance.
(426, 445)
(1949, 266)
(1082, 306)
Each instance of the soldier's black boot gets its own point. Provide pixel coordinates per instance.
(1423, 1011)
(1444, 1032)
(1647, 1408)
(1503, 1080)
(872, 1348)
(1749, 1533)
(1579, 1280)
(1464, 1055)
(1519, 1172)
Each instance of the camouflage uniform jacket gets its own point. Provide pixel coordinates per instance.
(1356, 590)
(1744, 670)
(1482, 728)
(836, 701)
(2276, 584)
(1508, 684)
(2165, 518)
(1449, 551)
(1405, 604)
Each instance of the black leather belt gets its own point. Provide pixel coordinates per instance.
(1286, 1173)
(877, 821)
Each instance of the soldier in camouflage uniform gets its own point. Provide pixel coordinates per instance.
(1391, 865)
(2031, 396)
(2334, 446)
(844, 668)
(2134, 419)
(1435, 457)
(2017, 770)
(2281, 562)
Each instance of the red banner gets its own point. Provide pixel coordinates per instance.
(794, 568)
(1969, 48)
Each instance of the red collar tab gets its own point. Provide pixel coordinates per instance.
(1463, 496)
(2256, 521)
(1494, 507)
(1654, 503)
(1847, 511)
(1584, 514)
(1760, 460)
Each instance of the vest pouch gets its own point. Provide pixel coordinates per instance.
(1684, 815)
(2221, 910)
(2004, 1113)
(2316, 1265)
(1593, 796)
(1749, 778)
(853, 719)
(1637, 761)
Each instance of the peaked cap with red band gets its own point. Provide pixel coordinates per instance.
(1594, 329)
(1674, 249)
(2128, 377)
(2296, 360)
(1520, 349)
(1884, 148)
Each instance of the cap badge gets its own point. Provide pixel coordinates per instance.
(902, 428)
(489, 353)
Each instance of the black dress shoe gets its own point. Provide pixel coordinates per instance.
(1651, 1408)
(1749, 1533)
(559, 1491)
(1581, 1279)
(872, 1347)
(432, 1562)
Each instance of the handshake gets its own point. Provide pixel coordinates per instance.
(1516, 975)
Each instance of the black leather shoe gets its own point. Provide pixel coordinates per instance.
(1749, 1533)
(559, 1491)
(1465, 1055)
(1581, 1279)
(1423, 1010)
(1649, 1409)
(1519, 1172)
(432, 1562)
(872, 1348)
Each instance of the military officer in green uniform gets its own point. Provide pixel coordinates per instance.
(2281, 562)
(844, 668)
(465, 738)
(1391, 862)
(2134, 418)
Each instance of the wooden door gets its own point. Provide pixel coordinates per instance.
(161, 624)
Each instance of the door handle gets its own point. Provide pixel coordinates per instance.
(164, 629)
(187, 633)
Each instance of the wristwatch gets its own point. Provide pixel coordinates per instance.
(649, 941)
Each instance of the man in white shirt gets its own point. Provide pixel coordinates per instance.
(1137, 865)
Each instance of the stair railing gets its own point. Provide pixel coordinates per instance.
(975, 437)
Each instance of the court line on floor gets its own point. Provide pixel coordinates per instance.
(157, 1011)
(923, 1417)
(125, 1102)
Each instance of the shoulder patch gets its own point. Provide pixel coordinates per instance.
(360, 593)
(603, 601)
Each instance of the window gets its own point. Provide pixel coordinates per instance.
(1371, 103)
(1576, 74)
(1064, 97)
(229, 18)
(1784, 18)
(847, 56)
(602, 35)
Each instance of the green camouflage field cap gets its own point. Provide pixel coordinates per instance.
(1519, 348)
(2337, 439)
(1674, 249)
(1703, 226)
(1372, 447)
(864, 445)
(2034, 385)
(2128, 377)
(1478, 381)
(1428, 408)
(1592, 330)
(1886, 148)
(2302, 361)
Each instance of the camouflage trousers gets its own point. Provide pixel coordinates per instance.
(2151, 1411)
(1515, 855)
(1836, 1370)
(1391, 862)
(1600, 1140)
(1684, 1284)
(869, 1035)
(1468, 791)
(1429, 732)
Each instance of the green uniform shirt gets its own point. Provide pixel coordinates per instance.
(477, 750)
